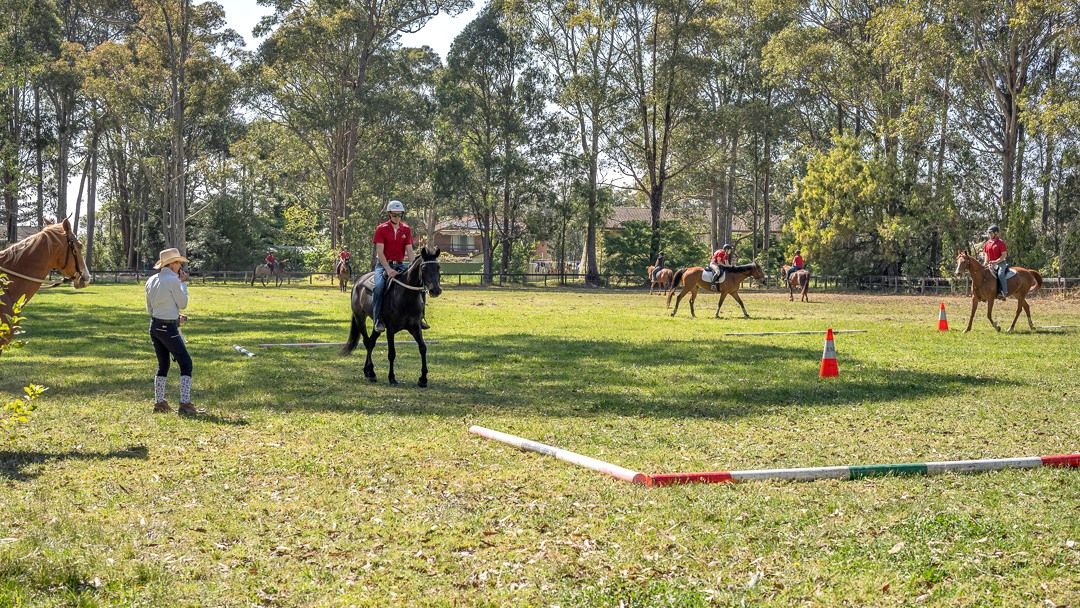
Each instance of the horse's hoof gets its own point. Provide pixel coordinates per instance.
(371, 378)
(422, 383)
(393, 382)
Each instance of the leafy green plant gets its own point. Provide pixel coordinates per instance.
(15, 411)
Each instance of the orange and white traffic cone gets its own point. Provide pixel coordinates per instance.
(942, 322)
(829, 368)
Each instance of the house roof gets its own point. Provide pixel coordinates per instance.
(622, 215)
(458, 225)
(21, 232)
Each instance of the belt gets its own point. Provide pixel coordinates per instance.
(396, 261)
(165, 321)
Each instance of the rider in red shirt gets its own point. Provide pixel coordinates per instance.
(344, 257)
(271, 261)
(796, 264)
(996, 253)
(720, 257)
(394, 250)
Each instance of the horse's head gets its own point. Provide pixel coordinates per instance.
(67, 254)
(429, 270)
(757, 272)
(964, 260)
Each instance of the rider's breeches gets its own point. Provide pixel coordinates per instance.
(380, 287)
(792, 270)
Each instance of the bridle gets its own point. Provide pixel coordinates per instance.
(421, 288)
(68, 254)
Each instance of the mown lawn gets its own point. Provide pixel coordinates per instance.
(309, 487)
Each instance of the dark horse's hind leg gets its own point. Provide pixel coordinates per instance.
(418, 335)
(369, 345)
(391, 354)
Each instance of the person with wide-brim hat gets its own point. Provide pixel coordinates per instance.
(166, 296)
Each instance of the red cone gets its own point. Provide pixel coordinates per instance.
(942, 322)
(829, 368)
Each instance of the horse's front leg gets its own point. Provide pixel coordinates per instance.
(974, 307)
(1019, 307)
(720, 303)
(418, 335)
(990, 313)
(391, 354)
(745, 314)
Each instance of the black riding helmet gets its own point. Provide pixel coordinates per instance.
(728, 246)
(993, 228)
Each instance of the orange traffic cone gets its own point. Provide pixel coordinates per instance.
(942, 322)
(829, 368)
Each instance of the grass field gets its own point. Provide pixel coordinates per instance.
(309, 487)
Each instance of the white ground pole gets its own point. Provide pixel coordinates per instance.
(574, 458)
(242, 350)
(795, 333)
(328, 344)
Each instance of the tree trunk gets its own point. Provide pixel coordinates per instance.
(39, 163)
(91, 207)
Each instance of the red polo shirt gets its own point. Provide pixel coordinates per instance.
(994, 248)
(719, 256)
(797, 261)
(393, 244)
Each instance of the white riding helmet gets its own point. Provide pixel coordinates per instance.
(395, 206)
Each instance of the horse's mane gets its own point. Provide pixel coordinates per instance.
(16, 251)
(740, 268)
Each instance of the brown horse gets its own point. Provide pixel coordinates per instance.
(800, 279)
(343, 276)
(691, 280)
(277, 274)
(28, 263)
(661, 282)
(984, 288)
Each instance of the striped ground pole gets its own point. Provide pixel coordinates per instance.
(801, 474)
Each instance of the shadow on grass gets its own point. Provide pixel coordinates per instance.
(521, 372)
(13, 463)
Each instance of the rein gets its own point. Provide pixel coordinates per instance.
(420, 287)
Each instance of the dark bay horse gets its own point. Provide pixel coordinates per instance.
(28, 263)
(661, 282)
(402, 309)
(342, 271)
(984, 288)
(691, 280)
(800, 279)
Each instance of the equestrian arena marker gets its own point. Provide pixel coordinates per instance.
(803, 474)
(325, 344)
(795, 333)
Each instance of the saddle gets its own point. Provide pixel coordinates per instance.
(368, 281)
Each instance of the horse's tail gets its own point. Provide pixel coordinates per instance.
(674, 283)
(805, 280)
(354, 336)
(1038, 280)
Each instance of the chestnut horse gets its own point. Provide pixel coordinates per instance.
(800, 279)
(661, 282)
(691, 280)
(984, 288)
(28, 263)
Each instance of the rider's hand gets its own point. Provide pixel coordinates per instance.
(391, 273)
(183, 275)
(183, 318)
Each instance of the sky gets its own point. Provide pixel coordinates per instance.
(439, 33)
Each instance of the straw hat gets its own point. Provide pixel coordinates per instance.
(168, 256)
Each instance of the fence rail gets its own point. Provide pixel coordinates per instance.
(821, 283)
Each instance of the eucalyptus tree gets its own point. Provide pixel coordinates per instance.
(29, 36)
(577, 43)
(659, 78)
(492, 96)
(313, 76)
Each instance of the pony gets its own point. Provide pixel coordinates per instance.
(262, 271)
(691, 280)
(402, 309)
(800, 279)
(28, 263)
(661, 282)
(984, 288)
(342, 271)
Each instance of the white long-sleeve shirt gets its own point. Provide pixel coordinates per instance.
(166, 295)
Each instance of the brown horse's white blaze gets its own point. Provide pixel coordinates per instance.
(28, 263)
(984, 288)
(691, 281)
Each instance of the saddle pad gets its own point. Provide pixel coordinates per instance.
(708, 275)
(1010, 274)
(368, 281)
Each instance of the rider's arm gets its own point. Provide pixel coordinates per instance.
(408, 254)
(382, 259)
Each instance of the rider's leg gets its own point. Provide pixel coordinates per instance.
(376, 297)
(1003, 281)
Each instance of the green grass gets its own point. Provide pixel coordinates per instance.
(310, 487)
